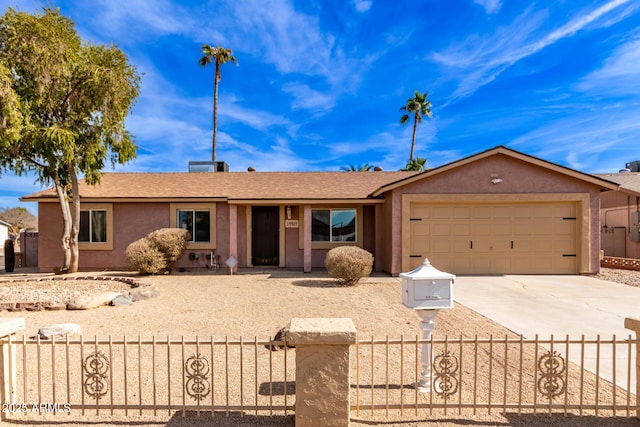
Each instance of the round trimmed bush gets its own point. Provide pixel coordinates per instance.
(171, 242)
(158, 251)
(348, 264)
(144, 257)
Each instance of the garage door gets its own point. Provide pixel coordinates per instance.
(514, 238)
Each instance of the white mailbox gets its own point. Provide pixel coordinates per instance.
(426, 287)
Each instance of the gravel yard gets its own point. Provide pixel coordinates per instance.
(60, 291)
(254, 305)
(626, 277)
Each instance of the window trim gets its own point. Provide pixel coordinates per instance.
(99, 246)
(331, 219)
(211, 207)
(329, 245)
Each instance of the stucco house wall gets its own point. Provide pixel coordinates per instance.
(131, 220)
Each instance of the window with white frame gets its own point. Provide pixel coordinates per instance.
(333, 225)
(197, 222)
(93, 226)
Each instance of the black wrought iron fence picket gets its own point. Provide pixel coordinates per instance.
(495, 374)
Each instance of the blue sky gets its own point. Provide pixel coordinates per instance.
(320, 84)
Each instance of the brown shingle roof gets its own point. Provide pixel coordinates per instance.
(235, 185)
(629, 181)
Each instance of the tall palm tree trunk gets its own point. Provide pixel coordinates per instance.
(215, 111)
(413, 138)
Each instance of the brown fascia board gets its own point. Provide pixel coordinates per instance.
(500, 149)
(299, 201)
(51, 199)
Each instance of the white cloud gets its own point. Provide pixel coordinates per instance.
(477, 61)
(490, 6)
(306, 98)
(586, 141)
(139, 18)
(620, 74)
(362, 6)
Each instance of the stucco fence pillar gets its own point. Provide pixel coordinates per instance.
(323, 349)
(8, 327)
(634, 325)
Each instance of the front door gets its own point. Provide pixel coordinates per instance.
(265, 233)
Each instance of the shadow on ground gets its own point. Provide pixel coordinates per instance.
(318, 283)
(516, 420)
(192, 419)
(178, 419)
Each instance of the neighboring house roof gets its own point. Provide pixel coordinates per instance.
(233, 186)
(6, 224)
(629, 181)
(604, 183)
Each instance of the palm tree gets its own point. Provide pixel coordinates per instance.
(360, 168)
(419, 106)
(219, 56)
(419, 164)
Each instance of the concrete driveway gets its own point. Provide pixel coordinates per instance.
(559, 305)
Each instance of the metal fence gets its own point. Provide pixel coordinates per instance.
(128, 376)
(469, 376)
(495, 375)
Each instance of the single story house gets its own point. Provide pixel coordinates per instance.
(496, 212)
(620, 216)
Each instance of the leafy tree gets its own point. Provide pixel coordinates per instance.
(63, 103)
(19, 218)
(418, 106)
(360, 168)
(219, 56)
(418, 164)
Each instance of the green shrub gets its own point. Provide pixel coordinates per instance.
(158, 251)
(348, 264)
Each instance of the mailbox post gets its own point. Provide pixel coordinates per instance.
(427, 290)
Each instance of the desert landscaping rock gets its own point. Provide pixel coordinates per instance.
(142, 293)
(70, 292)
(59, 330)
(86, 302)
(122, 300)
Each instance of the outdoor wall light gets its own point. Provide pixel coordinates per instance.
(288, 212)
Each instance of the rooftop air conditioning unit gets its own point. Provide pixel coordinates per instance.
(208, 166)
(633, 166)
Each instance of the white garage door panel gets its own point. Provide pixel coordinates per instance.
(517, 238)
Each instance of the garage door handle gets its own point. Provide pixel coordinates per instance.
(512, 244)
(471, 244)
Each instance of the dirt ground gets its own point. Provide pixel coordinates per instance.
(253, 305)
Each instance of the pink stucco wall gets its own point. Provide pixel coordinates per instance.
(475, 178)
(132, 221)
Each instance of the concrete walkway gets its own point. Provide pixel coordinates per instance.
(559, 305)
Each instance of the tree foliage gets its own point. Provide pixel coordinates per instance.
(63, 104)
(359, 168)
(19, 218)
(418, 107)
(418, 164)
(218, 56)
